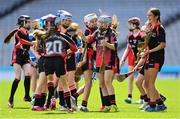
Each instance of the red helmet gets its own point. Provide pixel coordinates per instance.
(50, 18)
(50, 21)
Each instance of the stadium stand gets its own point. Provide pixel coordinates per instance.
(122, 8)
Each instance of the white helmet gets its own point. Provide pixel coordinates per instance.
(64, 15)
(89, 17)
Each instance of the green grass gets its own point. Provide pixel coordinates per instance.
(170, 88)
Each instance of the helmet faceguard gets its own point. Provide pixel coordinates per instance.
(23, 19)
(104, 19)
(64, 15)
(90, 20)
(89, 17)
(50, 22)
(135, 20)
(43, 19)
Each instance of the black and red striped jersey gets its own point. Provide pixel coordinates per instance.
(89, 31)
(134, 41)
(157, 37)
(110, 55)
(22, 40)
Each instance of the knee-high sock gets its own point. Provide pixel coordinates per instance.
(27, 82)
(13, 89)
(51, 91)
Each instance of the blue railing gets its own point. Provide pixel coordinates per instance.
(166, 70)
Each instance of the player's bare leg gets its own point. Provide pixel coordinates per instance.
(108, 77)
(17, 69)
(40, 93)
(87, 89)
(105, 95)
(34, 77)
(72, 87)
(50, 83)
(150, 75)
(139, 84)
(67, 93)
(81, 90)
(61, 95)
(27, 81)
(130, 86)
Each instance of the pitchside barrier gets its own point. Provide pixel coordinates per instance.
(166, 71)
(6, 73)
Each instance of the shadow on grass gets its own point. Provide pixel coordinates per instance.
(21, 108)
(53, 113)
(101, 112)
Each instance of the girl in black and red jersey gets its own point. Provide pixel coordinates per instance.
(90, 21)
(65, 26)
(39, 35)
(106, 59)
(56, 45)
(135, 38)
(154, 60)
(20, 58)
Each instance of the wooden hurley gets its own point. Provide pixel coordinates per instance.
(79, 71)
(10, 35)
(142, 46)
(102, 68)
(122, 77)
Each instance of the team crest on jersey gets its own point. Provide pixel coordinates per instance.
(154, 35)
(134, 41)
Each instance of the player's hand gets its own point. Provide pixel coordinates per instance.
(69, 52)
(103, 42)
(144, 53)
(122, 62)
(80, 64)
(79, 32)
(34, 43)
(94, 46)
(135, 68)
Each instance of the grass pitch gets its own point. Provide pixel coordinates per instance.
(169, 88)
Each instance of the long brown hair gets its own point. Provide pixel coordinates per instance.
(156, 12)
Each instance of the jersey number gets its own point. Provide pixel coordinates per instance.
(53, 47)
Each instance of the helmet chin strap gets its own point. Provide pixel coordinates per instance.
(132, 28)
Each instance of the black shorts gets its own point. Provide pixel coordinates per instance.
(89, 63)
(54, 65)
(154, 64)
(112, 66)
(40, 64)
(20, 57)
(106, 68)
(71, 63)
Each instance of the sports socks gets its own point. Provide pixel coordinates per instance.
(27, 82)
(13, 89)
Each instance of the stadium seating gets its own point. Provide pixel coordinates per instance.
(5, 4)
(122, 8)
